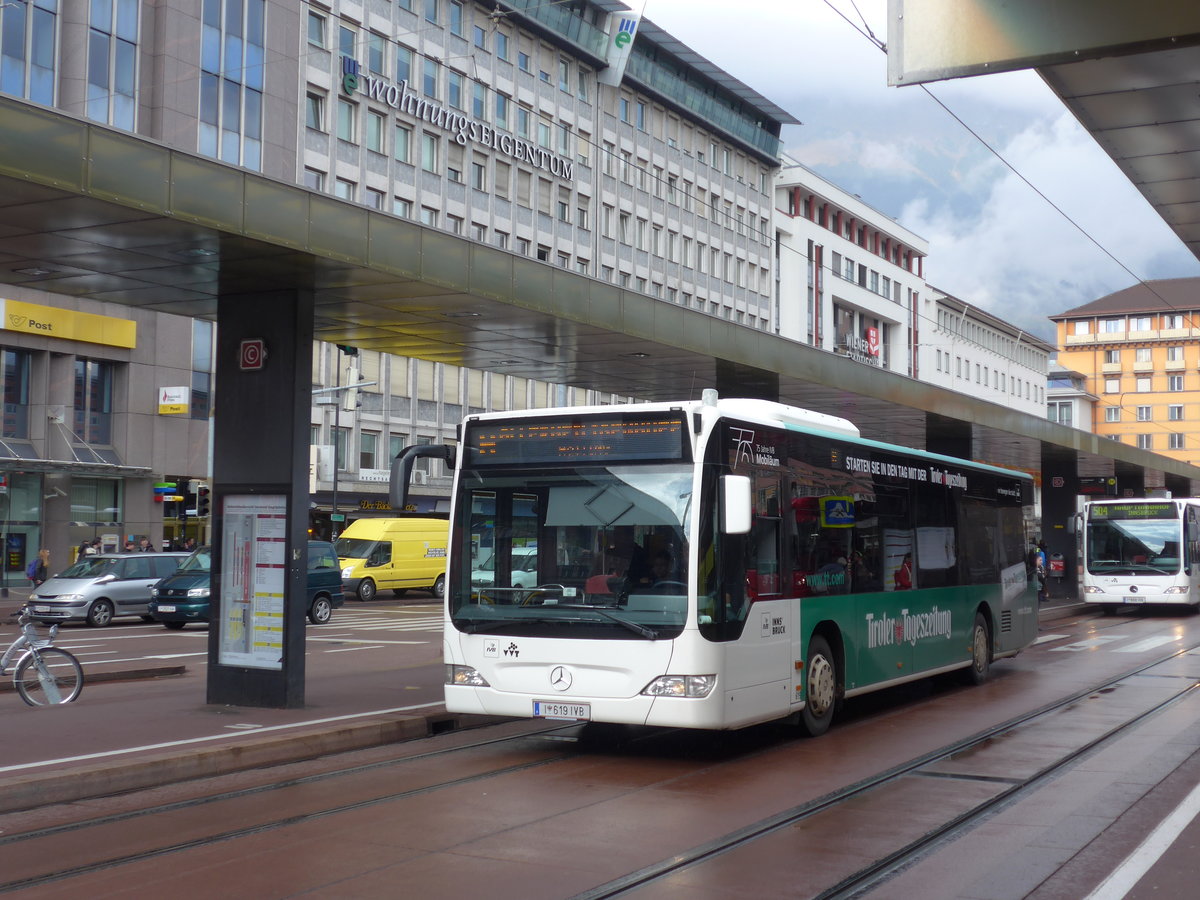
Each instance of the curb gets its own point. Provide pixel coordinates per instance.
(105, 778)
(6, 684)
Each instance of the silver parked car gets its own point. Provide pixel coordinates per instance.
(97, 588)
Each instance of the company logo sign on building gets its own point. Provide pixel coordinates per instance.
(462, 129)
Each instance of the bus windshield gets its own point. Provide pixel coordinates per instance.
(577, 552)
(1133, 545)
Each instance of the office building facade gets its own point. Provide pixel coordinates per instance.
(1138, 350)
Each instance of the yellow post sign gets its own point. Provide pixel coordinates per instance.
(174, 401)
(67, 324)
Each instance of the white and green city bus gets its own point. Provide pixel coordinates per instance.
(1139, 551)
(718, 563)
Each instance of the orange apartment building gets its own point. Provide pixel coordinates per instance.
(1139, 351)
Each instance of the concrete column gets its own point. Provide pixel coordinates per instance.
(1060, 495)
(949, 437)
(1131, 480)
(260, 450)
(734, 380)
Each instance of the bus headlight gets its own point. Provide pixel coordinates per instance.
(693, 686)
(464, 675)
(1177, 589)
(1092, 589)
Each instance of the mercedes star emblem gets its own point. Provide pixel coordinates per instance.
(560, 678)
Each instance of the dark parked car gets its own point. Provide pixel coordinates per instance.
(98, 588)
(183, 597)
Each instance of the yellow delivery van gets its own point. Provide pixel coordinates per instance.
(378, 554)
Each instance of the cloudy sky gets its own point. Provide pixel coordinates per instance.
(994, 241)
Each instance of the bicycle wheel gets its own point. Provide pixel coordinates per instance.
(48, 677)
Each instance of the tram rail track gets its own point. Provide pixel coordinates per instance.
(36, 843)
(865, 879)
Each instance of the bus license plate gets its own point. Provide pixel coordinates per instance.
(162, 608)
(1134, 599)
(574, 711)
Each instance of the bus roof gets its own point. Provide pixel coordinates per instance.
(765, 411)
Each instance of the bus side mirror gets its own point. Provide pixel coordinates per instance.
(735, 504)
(1073, 524)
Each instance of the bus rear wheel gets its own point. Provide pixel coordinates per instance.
(981, 651)
(820, 687)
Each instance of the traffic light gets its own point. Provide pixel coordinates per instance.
(202, 500)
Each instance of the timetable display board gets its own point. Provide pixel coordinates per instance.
(253, 572)
(1150, 510)
(580, 439)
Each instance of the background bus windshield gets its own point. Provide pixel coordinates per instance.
(1133, 545)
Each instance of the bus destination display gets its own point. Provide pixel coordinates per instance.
(1134, 511)
(601, 440)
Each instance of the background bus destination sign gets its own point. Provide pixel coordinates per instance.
(608, 439)
(1165, 510)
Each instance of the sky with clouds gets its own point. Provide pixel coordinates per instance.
(1041, 222)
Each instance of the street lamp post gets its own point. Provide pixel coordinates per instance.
(337, 390)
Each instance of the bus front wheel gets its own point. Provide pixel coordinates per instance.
(981, 651)
(820, 687)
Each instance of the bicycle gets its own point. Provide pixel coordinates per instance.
(44, 675)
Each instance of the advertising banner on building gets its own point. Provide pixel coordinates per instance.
(622, 28)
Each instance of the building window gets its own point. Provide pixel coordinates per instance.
(1141, 354)
(1112, 356)
(480, 37)
(1112, 414)
(1060, 411)
(429, 80)
(1174, 382)
(456, 18)
(315, 111)
(1080, 326)
(1145, 441)
(431, 11)
(111, 57)
(403, 149)
(1112, 385)
(502, 45)
(402, 207)
(316, 29)
(1175, 412)
(232, 63)
(15, 373)
(1175, 354)
(404, 60)
(1139, 323)
(368, 444)
(429, 152)
(375, 124)
(1112, 326)
(314, 180)
(376, 44)
(93, 401)
(1144, 414)
(1175, 441)
(347, 113)
(1172, 321)
(1142, 385)
(343, 188)
(454, 90)
(202, 368)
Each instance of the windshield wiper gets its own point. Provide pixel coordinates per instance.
(648, 633)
